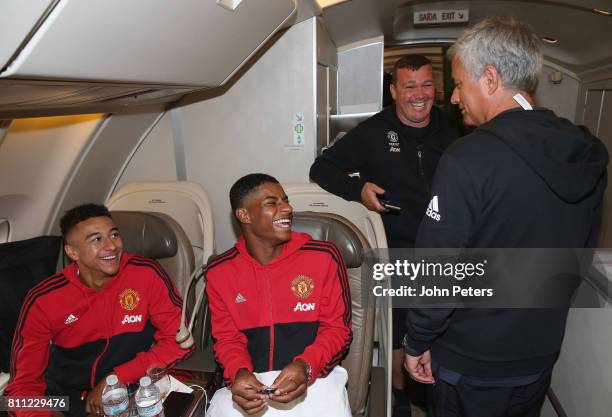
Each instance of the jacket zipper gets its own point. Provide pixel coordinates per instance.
(421, 170)
(94, 367)
(271, 356)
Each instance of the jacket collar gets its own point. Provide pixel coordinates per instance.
(297, 240)
(71, 273)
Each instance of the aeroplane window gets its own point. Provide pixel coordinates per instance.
(5, 228)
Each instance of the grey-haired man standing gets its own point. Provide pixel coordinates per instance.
(524, 178)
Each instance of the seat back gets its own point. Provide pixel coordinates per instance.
(352, 244)
(185, 202)
(158, 236)
(23, 264)
(354, 230)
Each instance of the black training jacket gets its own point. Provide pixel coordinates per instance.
(525, 179)
(396, 157)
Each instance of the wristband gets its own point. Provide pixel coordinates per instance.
(308, 369)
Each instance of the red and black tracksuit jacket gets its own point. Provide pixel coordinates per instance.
(298, 306)
(69, 336)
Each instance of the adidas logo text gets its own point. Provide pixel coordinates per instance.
(70, 319)
(432, 209)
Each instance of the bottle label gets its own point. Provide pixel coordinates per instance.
(116, 409)
(151, 410)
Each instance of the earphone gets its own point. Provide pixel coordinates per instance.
(184, 337)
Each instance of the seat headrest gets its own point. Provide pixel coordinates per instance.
(327, 226)
(147, 234)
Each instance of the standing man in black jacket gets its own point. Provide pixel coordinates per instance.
(524, 178)
(395, 152)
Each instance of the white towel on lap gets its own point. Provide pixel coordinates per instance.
(326, 397)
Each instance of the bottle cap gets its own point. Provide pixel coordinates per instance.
(112, 379)
(145, 381)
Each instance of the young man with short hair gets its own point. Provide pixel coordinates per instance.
(279, 301)
(108, 312)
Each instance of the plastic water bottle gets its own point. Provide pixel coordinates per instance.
(148, 399)
(115, 399)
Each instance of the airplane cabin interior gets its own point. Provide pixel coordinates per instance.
(155, 108)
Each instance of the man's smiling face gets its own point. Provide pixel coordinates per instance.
(269, 213)
(414, 94)
(96, 246)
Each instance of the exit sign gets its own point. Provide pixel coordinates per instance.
(436, 17)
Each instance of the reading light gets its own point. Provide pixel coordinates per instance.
(603, 12)
(328, 3)
(555, 77)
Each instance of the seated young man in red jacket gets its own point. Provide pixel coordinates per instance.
(108, 312)
(281, 311)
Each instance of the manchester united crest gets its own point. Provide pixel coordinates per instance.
(129, 299)
(302, 286)
(392, 136)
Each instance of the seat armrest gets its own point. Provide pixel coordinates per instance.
(199, 361)
(4, 378)
(377, 405)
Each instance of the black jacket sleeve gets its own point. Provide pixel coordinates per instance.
(330, 170)
(448, 223)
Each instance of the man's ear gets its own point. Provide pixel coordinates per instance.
(71, 252)
(242, 215)
(392, 90)
(491, 79)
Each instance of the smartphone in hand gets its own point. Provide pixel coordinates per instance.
(389, 205)
(267, 390)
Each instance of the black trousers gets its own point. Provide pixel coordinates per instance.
(466, 399)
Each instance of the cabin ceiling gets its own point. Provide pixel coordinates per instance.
(59, 57)
(585, 38)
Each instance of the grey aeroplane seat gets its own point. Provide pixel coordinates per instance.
(158, 236)
(185, 201)
(369, 358)
(352, 244)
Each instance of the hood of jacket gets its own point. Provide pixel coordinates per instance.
(293, 245)
(567, 157)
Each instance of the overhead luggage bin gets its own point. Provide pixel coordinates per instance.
(156, 42)
(16, 22)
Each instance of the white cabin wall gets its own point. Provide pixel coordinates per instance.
(154, 160)
(249, 128)
(560, 98)
(106, 154)
(37, 158)
(581, 376)
(360, 75)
